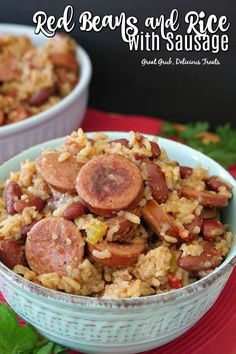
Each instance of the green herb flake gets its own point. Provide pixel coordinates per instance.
(222, 151)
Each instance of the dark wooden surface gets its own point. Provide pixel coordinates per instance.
(120, 84)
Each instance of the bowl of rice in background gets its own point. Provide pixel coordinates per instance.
(63, 110)
(119, 325)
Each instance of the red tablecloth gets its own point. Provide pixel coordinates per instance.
(216, 331)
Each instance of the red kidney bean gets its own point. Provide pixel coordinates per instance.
(12, 193)
(25, 229)
(74, 210)
(197, 222)
(209, 259)
(41, 96)
(214, 183)
(212, 228)
(124, 142)
(185, 171)
(156, 181)
(11, 253)
(36, 202)
(156, 151)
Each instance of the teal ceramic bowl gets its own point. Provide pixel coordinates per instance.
(95, 325)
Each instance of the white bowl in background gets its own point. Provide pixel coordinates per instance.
(120, 326)
(59, 120)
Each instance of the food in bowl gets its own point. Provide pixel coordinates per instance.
(112, 219)
(32, 78)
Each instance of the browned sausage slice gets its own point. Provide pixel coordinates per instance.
(109, 183)
(126, 228)
(11, 253)
(209, 259)
(61, 175)
(53, 245)
(156, 181)
(121, 255)
(159, 220)
(205, 198)
(212, 228)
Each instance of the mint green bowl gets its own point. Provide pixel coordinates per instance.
(95, 325)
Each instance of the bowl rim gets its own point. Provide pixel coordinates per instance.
(85, 77)
(174, 295)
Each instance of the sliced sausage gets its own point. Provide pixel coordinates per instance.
(185, 171)
(121, 255)
(156, 181)
(9, 69)
(126, 228)
(36, 202)
(41, 96)
(209, 259)
(209, 213)
(68, 60)
(11, 253)
(60, 175)
(54, 245)
(74, 211)
(109, 183)
(205, 198)
(11, 194)
(214, 183)
(159, 220)
(211, 229)
(194, 228)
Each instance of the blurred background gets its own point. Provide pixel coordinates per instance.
(121, 84)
